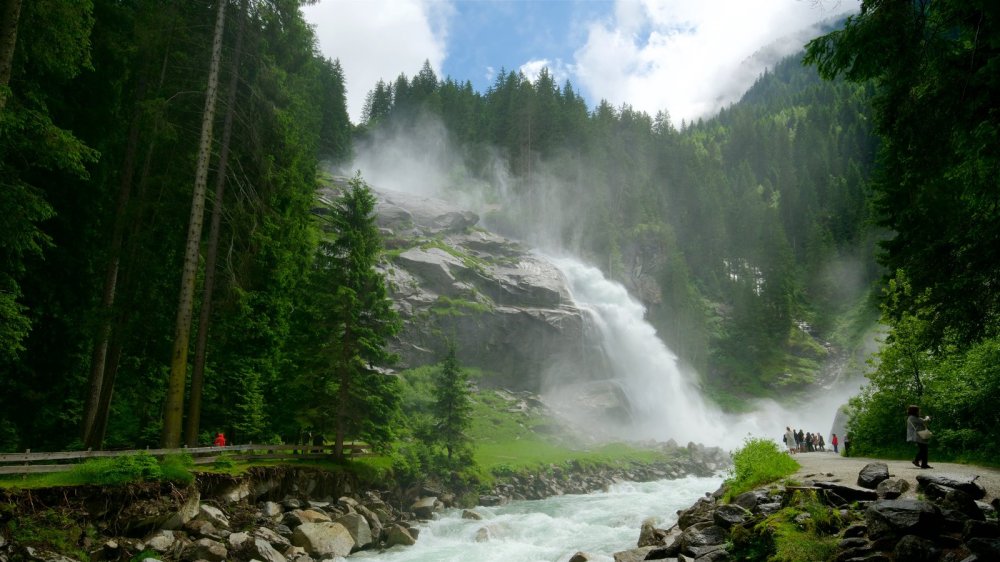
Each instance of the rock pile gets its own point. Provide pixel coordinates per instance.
(216, 529)
(951, 525)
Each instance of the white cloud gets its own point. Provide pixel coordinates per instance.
(557, 69)
(692, 58)
(379, 41)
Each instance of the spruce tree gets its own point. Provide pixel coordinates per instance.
(348, 324)
(452, 409)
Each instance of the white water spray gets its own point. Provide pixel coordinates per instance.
(665, 400)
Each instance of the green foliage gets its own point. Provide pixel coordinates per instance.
(452, 411)
(52, 529)
(344, 329)
(959, 389)
(933, 65)
(177, 468)
(804, 531)
(757, 462)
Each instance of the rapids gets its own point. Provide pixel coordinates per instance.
(552, 529)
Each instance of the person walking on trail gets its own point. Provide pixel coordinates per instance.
(847, 445)
(917, 432)
(220, 440)
(834, 441)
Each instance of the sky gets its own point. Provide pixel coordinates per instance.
(686, 57)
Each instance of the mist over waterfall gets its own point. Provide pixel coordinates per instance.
(620, 381)
(664, 401)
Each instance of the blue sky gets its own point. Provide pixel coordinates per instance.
(686, 57)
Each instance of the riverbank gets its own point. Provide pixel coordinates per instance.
(840, 509)
(280, 513)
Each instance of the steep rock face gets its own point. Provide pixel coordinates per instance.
(507, 310)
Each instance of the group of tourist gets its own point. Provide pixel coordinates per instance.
(799, 441)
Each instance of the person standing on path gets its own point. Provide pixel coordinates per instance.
(917, 432)
(834, 441)
(790, 440)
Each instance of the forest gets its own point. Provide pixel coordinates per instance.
(855, 189)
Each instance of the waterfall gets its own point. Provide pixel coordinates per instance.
(664, 401)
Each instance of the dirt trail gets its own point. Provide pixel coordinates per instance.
(829, 467)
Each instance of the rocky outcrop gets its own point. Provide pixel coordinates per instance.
(503, 306)
(952, 526)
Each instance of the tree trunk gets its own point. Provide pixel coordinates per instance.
(343, 397)
(204, 321)
(174, 405)
(99, 353)
(8, 41)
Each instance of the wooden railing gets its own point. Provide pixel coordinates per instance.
(28, 462)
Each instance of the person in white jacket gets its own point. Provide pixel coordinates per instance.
(917, 432)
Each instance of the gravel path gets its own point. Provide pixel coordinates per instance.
(835, 468)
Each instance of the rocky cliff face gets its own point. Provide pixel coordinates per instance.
(507, 310)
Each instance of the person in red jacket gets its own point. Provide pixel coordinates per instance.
(220, 440)
(835, 442)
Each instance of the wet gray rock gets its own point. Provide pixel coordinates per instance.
(358, 527)
(633, 555)
(966, 484)
(425, 508)
(729, 515)
(849, 493)
(694, 540)
(207, 549)
(399, 535)
(892, 488)
(470, 514)
(901, 517)
(649, 535)
(323, 539)
(262, 550)
(700, 512)
(915, 549)
(872, 474)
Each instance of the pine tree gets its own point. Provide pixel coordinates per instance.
(348, 323)
(452, 409)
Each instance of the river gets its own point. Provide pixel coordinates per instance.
(553, 529)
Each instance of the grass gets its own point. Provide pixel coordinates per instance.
(511, 442)
(110, 471)
(757, 463)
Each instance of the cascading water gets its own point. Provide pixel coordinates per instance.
(552, 529)
(664, 401)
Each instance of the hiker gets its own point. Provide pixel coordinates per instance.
(220, 440)
(834, 441)
(917, 432)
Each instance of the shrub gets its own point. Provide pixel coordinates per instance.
(177, 468)
(116, 471)
(758, 462)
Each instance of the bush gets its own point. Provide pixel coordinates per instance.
(117, 471)
(140, 467)
(758, 462)
(177, 468)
